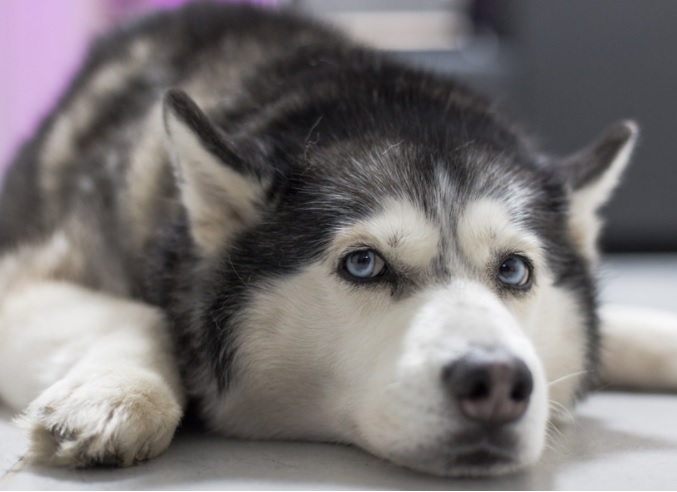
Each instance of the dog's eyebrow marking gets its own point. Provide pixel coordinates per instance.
(394, 240)
(400, 231)
(487, 227)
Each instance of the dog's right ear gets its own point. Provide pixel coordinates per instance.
(221, 192)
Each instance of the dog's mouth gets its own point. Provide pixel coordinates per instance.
(482, 459)
(486, 452)
(469, 454)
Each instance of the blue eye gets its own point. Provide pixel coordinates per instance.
(364, 264)
(514, 271)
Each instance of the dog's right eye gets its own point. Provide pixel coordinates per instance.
(364, 264)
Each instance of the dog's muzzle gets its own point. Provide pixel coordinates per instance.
(462, 392)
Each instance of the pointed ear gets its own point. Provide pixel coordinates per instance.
(592, 175)
(221, 193)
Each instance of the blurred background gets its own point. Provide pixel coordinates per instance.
(564, 68)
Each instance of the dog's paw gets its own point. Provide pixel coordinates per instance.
(114, 420)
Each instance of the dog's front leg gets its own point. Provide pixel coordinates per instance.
(96, 373)
(639, 348)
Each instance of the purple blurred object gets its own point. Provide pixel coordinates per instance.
(124, 9)
(41, 43)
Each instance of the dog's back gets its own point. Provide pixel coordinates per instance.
(98, 166)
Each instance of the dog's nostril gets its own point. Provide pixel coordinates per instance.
(479, 390)
(523, 383)
(519, 393)
(491, 386)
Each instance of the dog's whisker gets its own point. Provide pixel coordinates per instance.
(555, 439)
(553, 430)
(561, 409)
(554, 442)
(568, 376)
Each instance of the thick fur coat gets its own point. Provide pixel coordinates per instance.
(307, 240)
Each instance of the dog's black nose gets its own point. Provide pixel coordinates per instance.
(491, 386)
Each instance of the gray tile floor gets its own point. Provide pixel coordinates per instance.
(618, 441)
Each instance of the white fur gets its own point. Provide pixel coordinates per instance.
(554, 323)
(406, 409)
(639, 347)
(98, 370)
(35, 261)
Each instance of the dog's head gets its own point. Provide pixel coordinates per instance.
(397, 268)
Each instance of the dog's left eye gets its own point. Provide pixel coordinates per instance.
(364, 264)
(514, 271)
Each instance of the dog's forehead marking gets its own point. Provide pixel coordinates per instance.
(488, 226)
(400, 230)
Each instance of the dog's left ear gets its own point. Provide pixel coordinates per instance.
(221, 191)
(592, 175)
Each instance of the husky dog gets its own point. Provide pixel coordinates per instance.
(307, 240)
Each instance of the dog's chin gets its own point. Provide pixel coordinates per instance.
(466, 458)
(479, 462)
